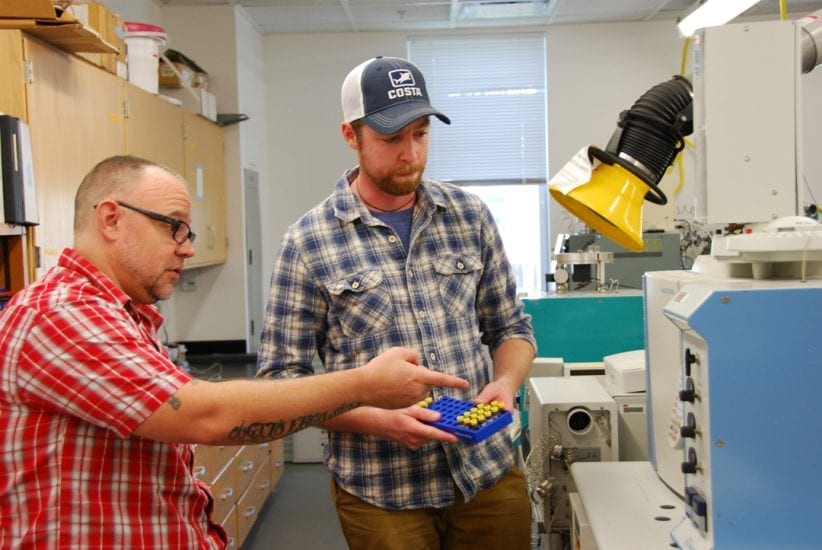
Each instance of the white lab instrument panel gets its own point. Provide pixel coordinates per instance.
(750, 365)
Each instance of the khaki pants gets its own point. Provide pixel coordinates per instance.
(497, 518)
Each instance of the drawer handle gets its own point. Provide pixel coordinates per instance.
(248, 466)
(199, 471)
(232, 543)
(252, 510)
(226, 493)
(264, 485)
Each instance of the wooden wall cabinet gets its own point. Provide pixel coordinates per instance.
(12, 84)
(192, 146)
(154, 128)
(205, 173)
(78, 114)
(75, 118)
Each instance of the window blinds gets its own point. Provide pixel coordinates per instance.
(493, 88)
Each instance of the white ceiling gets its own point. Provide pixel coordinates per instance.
(276, 16)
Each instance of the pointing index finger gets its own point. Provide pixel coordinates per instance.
(442, 379)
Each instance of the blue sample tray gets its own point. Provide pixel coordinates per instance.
(450, 408)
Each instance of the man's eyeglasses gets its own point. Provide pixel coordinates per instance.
(180, 230)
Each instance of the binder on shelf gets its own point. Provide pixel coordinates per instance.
(19, 201)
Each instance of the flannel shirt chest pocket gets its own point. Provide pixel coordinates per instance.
(458, 278)
(362, 303)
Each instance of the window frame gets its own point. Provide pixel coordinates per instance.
(516, 179)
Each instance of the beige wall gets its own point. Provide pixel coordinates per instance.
(594, 73)
(304, 73)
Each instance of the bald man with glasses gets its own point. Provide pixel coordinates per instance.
(96, 422)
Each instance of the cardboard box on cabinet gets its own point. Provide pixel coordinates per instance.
(109, 26)
(171, 79)
(179, 71)
(60, 29)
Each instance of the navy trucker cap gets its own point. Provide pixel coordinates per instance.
(387, 93)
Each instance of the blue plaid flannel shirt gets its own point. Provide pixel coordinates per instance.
(344, 286)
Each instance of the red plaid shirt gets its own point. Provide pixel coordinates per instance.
(81, 367)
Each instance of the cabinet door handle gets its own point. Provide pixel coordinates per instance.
(211, 241)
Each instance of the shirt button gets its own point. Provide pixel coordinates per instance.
(422, 314)
(460, 265)
(392, 239)
(355, 285)
(432, 356)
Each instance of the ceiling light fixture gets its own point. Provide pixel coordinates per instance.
(713, 13)
(511, 9)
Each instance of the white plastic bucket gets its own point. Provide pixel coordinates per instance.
(143, 46)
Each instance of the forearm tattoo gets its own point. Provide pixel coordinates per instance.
(258, 432)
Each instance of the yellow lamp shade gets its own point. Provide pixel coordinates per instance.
(610, 203)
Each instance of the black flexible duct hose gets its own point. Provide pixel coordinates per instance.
(650, 134)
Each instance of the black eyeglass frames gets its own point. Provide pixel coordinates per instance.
(180, 230)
